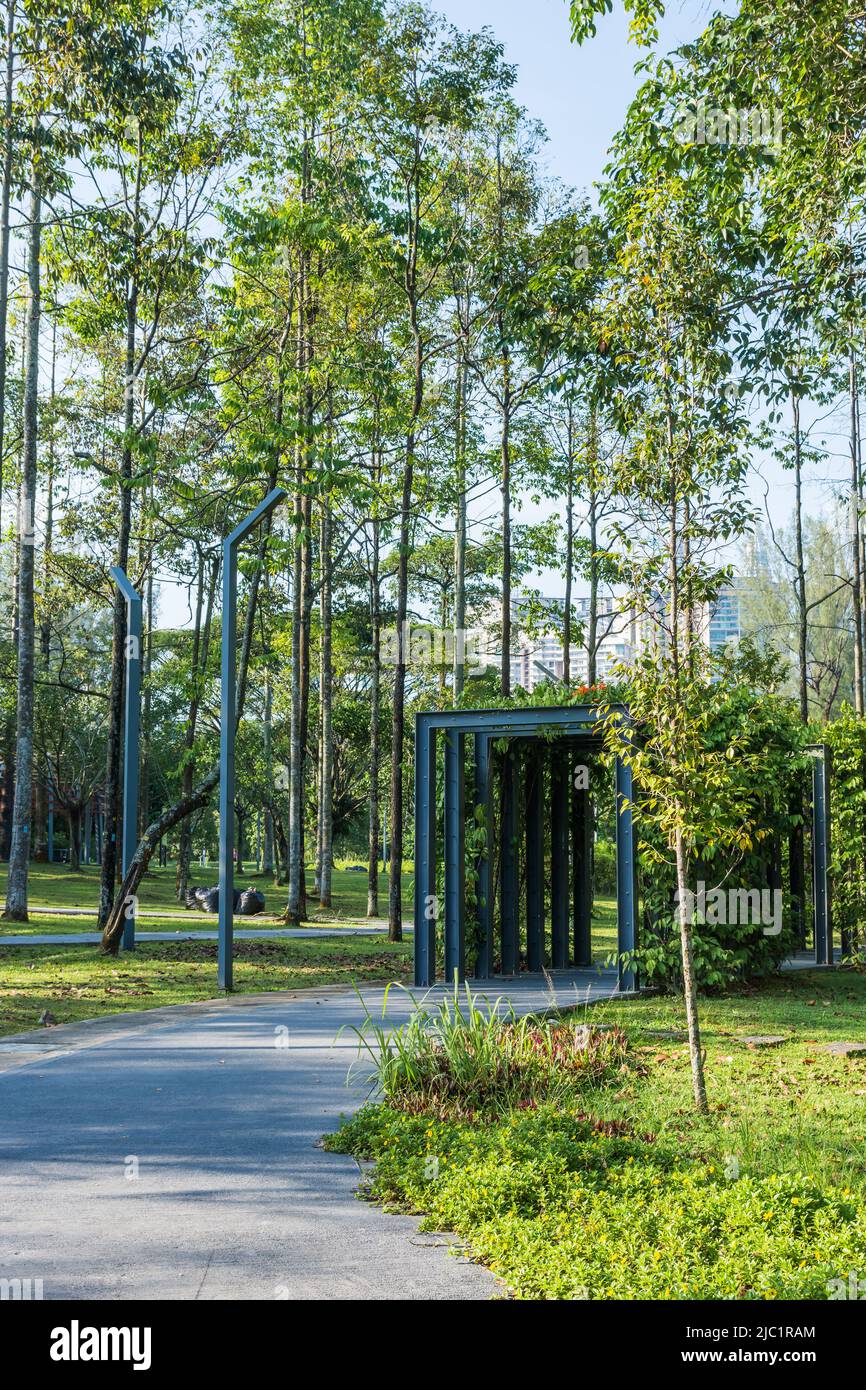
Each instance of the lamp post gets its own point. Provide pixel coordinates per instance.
(131, 727)
(228, 706)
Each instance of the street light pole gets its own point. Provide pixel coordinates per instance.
(131, 729)
(228, 714)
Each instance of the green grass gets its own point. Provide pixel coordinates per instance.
(55, 886)
(78, 982)
(621, 1190)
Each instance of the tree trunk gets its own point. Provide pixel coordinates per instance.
(505, 460)
(5, 196)
(460, 524)
(690, 991)
(375, 706)
(800, 581)
(856, 574)
(395, 863)
(73, 820)
(689, 984)
(19, 855)
(326, 696)
(592, 615)
(200, 650)
(569, 549)
(113, 930)
(118, 649)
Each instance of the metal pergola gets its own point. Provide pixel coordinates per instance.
(562, 737)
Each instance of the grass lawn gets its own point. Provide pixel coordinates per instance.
(54, 886)
(615, 1188)
(78, 982)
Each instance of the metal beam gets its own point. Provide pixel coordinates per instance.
(131, 730)
(484, 864)
(625, 874)
(228, 715)
(426, 902)
(455, 859)
(559, 857)
(566, 720)
(534, 783)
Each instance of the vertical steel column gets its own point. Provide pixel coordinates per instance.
(484, 867)
(455, 858)
(797, 868)
(228, 712)
(581, 868)
(131, 720)
(51, 823)
(535, 859)
(625, 874)
(508, 881)
(559, 856)
(821, 855)
(426, 903)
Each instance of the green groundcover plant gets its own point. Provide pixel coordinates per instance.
(500, 1129)
(564, 1207)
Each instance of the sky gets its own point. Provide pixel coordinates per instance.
(579, 93)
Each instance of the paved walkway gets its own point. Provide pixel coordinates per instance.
(84, 938)
(173, 1155)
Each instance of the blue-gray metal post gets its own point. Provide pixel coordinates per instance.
(426, 904)
(228, 712)
(131, 728)
(821, 855)
(558, 857)
(508, 882)
(455, 859)
(625, 874)
(51, 823)
(581, 866)
(534, 803)
(483, 799)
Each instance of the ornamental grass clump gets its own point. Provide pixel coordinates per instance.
(459, 1058)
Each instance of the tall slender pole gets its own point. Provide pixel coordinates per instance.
(131, 732)
(228, 731)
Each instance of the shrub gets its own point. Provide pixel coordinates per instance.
(458, 1058)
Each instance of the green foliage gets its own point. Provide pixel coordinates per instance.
(564, 1206)
(460, 1058)
(720, 763)
(643, 18)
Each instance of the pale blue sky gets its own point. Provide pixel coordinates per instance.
(580, 93)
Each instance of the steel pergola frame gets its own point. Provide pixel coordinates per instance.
(571, 730)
